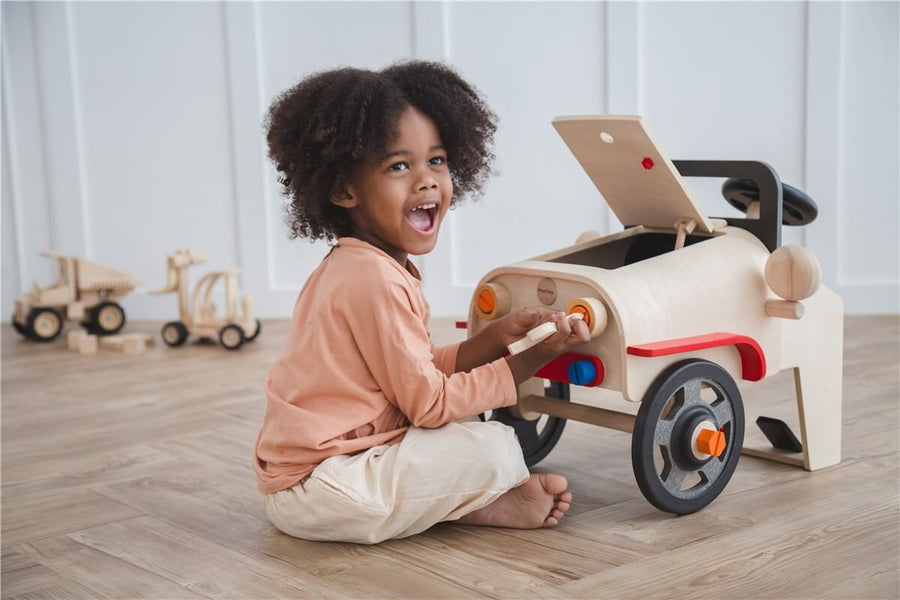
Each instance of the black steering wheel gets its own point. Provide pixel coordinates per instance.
(797, 207)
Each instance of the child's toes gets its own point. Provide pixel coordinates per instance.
(551, 522)
(563, 506)
(557, 514)
(564, 497)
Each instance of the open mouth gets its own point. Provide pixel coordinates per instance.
(422, 218)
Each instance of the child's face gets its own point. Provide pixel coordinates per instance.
(398, 204)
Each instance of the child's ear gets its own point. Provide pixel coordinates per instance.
(343, 196)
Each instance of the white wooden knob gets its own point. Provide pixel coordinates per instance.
(793, 273)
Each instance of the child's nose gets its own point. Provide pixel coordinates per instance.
(427, 181)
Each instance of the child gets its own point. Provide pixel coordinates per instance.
(361, 440)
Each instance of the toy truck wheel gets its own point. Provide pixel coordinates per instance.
(232, 337)
(538, 437)
(17, 326)
(107, 318)
(174, 333)
(43, 324)
(669, 447)
(256, 331)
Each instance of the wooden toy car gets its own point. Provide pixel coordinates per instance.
(197, 314)
(679, 307)
(85, 292)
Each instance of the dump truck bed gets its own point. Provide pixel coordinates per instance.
(90, 276)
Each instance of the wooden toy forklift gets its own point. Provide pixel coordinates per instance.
(198, 317)
(85, 292)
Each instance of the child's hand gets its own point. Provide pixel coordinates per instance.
(569, 334)
(513, 326)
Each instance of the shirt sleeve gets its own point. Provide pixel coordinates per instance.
(444, 358)
(393, 341)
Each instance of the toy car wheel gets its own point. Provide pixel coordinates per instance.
(17, 326)
(43, 324)
(232, 337)
(174, 333)
(688, 397)
(536, 437)
(107, 318)
(256, 331)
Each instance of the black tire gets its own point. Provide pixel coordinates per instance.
(174, 333)
(106, 318)
(232, 337)
(256, 332)
(670, 411)
(18, 326)
(538, 437)
(43, 324)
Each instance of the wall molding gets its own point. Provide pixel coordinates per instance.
(823, 131)
(824, 161)
(56, 55)
(10, 147)
(624, 68)
(252, 183)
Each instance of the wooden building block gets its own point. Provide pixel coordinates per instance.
(134, 344)
(87, 344)
(112, 342)
(73, 338)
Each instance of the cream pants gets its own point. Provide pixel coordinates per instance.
(387, 492)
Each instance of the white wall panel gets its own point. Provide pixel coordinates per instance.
(869, 251)
(533, 61)
(154, 99)
(10, 239)
(297, 40)
(28, 206)
(851, 150)
(726, 81)
(131, 129)
(59, 106)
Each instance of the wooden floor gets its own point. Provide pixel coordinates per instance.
(130, 477)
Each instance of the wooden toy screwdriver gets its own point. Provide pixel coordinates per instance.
(539, 334)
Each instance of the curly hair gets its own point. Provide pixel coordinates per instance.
(322, 130)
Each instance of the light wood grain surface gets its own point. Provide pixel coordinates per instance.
(130, 477)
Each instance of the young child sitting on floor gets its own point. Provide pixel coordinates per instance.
(361, 440)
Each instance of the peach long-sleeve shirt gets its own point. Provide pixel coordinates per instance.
(358, 368)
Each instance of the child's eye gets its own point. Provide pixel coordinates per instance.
(398, 166)
(438, 160)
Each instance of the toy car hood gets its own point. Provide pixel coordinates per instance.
(638, 182)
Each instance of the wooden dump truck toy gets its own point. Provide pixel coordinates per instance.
(197, 314)
(680, 307)
(85, 292)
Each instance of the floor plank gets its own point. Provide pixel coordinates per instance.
(130, 477)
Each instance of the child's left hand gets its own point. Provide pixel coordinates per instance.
(511, 327)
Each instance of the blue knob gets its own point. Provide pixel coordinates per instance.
(582, 372)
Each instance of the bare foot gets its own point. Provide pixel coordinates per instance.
(539, 502)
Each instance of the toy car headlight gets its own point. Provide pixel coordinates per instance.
(492, 300)
(593, 312)
(793, 273)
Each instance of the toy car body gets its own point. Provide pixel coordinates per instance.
(682, 306)
(85, 291)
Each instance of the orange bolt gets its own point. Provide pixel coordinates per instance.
(578, 308)
(486, 302)
(710, 441)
